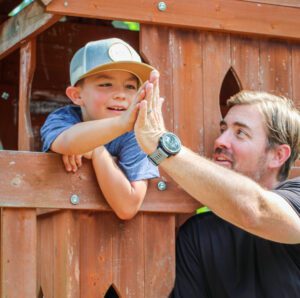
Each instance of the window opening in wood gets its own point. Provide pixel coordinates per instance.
(41, 294)
(230, 86)
(112, 293)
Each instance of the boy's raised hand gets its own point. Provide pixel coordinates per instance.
(128, 118)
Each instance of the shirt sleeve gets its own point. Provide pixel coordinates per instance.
(290, 191)
(57, 122)
(133, 161)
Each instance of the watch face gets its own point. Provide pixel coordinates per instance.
(171, 143)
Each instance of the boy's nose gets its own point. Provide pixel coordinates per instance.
(120, 94)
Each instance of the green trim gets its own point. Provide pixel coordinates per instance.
(203, 209)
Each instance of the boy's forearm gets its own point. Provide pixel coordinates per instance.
(123, 197)
(86, 136)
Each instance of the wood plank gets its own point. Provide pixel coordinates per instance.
(158, 53)
(187, 58)
(66, 257)
(275, 67)
(28, 23)
(128, 257)
(159, 246)
(291, 3)
(33, 179)
(27, 68)
(18, 266)
(216, 50)
(230, 15)
(46, 255)
(245, 61)
(295, 74)
(96, 268)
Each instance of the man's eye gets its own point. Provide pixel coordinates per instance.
(241, 133)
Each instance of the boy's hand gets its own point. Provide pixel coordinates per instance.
(73, 162)
(128, 118)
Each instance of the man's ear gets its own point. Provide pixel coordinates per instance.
(280, 155)
(73, 93)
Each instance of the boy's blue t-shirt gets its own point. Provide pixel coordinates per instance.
(131, 159)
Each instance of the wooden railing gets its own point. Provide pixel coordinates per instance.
(82, 249)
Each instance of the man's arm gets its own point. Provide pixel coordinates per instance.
(124, 197)
(230, 195)
(235, 198)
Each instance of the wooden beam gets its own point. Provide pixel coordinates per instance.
(18, 252)
(38, 180)
(28, 23)
(228, 16)
(291, 3)
(27, 67)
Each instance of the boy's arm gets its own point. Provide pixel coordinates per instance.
(124, 197)
(86, 136)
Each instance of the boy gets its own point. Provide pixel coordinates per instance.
(105, 78)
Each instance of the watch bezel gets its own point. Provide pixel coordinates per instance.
(164, 145)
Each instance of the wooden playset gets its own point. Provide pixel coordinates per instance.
(59, 238)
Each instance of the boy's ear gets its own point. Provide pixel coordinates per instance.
(73, 93)
(280, 155)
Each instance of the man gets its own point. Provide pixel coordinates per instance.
(249, 245)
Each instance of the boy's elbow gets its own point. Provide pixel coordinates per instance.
(126, 214)
(128, 211)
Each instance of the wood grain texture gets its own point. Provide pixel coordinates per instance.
(216, 63)
(27, 68)
(159, 239)
(275, 67)
(27, 24)
(18, 253)
(230, 15)
(39, 180)
(291, 3)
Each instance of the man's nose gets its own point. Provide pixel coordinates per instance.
(224, 140)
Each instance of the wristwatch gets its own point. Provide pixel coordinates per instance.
(169, 144)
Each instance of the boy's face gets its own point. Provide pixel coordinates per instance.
(107, 94)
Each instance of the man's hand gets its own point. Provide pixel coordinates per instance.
(149, 126)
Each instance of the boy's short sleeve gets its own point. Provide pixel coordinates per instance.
(57, 122)
(133, 161)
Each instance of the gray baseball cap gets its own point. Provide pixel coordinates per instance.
(107, 54)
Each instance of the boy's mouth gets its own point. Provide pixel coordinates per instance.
(118, 109)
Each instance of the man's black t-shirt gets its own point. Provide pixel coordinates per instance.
(217, 259)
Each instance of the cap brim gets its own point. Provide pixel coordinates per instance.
(140, 70)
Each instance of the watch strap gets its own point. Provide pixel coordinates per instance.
(158, 156)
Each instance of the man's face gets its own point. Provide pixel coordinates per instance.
(242, 145)
(107, 94)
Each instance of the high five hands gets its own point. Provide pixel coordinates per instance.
(149, 125)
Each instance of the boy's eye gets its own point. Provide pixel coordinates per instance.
(131, 86)
(105, 85)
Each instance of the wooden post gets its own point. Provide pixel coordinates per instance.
(18, 253)
(27, 67)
